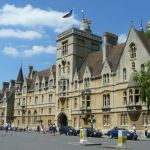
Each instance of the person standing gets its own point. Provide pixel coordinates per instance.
(146, 131)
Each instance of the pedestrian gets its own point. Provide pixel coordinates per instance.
(53, 129)
(133, 128)
(134, 132)
(146, 131)
(6, 128)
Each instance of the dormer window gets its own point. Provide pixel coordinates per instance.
(132, 50)
(43, 85)
(106, 78)
(36, 86)
(64, 48)
(59, 70)
(86, 83)
(51, 83)
(75, 84)
(24, 90)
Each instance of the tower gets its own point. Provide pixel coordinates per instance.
(73, 46)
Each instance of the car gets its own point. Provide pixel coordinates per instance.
(68, 130)
(113, 133)
(92, 132)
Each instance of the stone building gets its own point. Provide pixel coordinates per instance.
(90, 85)
(7, 99)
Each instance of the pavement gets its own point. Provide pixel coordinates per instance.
(40, 141)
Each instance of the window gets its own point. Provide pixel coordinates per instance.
(124, 97)
(35, 117)
(146, 119)
(75, 103)
(130, 97)
(58, 103)
(18, 112)
(124, 74)
(88, 102)
(51, 83)
(64, 48)
(75, 84)
(142, 67)
(106, 100)
(68, 68)
(50, 110)
(86, 83)
(133, 65)
(24, 89)
(67, 103)
(106, 79)
(42, 99)
(106, 120)
(59, 70)
(132, 50)
(29, 117)
(137, 96)
(50, 98)
(124, 119)
(36, 86)
(36, 99)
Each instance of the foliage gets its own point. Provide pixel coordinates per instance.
(147, 35)
(143, 78)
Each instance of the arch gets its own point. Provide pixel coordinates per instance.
(35, 116)
(29, 117)
(62, 120)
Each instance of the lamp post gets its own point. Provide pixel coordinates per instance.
(92, 120)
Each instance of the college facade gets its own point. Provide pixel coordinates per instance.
(91, 84)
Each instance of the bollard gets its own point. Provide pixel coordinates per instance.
(122, 137)
(83, 136)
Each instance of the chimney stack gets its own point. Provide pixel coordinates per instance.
(110, 40)
(5, 85)
(30, 69)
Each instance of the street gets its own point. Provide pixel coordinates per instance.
(39, 141)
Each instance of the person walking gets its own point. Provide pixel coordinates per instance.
(146, 131)
(53, 129)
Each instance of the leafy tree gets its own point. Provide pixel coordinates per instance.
(143, 79)
(147, 35)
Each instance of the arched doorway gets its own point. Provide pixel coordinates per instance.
(62, 120)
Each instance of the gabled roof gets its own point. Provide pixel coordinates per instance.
(115, 55)
(20, 78)
(95, 61)
(143, 39)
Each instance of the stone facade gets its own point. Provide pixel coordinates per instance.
(89, 85)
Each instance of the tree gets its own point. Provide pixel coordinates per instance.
(147, 35)
(143, 79)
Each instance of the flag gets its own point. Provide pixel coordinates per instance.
(68, 14)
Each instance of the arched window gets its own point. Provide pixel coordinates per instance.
(29, 117)
(106, 120)
(35, 117)
(75, 122)
(132, 50)
(75, 84)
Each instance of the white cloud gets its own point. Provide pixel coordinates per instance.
(35, 50)
(9, 33)
(31, 17)
(11, 51)
(122, 38)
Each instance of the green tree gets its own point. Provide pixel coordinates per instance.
(143, 79)
(147, 35)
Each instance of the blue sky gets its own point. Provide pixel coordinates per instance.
(28, 28)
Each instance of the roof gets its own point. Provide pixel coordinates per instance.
(20, 78)
(95, 61)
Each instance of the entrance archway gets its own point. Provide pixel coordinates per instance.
(62, 120)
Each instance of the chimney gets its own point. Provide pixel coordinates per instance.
(12, 83)
(110, 40)
(30, 69)
(5, 85)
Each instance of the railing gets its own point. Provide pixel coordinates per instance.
(86, 91)
(134, 106)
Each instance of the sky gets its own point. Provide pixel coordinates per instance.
(29, 28)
